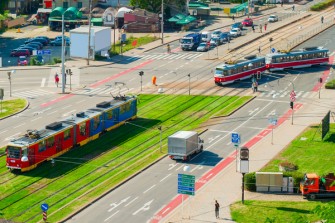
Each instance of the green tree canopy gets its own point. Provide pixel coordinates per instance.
(155, 5)
(3, 6)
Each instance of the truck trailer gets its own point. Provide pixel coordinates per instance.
(190, 41)
(314, 186)
(183, 144)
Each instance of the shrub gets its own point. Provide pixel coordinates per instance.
(57, 60)
(287, 166)
(330, 84)
(322, 5)
(32, 61)
(250, 181)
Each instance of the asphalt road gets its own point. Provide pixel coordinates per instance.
(139, 199)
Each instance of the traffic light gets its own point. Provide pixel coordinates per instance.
(244, 153)
(141, 73)
(70, 72)
(259, 75)
(291, 104)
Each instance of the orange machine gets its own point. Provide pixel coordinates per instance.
(314, 186)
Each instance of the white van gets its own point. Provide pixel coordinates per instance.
(206, 36)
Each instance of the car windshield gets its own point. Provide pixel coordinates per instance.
(216, 32)
(272, 16)
(218, 73)
(233, 31)
(22, 59)
(186, 41)
(202, 44)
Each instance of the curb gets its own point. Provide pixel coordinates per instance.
(25, 108)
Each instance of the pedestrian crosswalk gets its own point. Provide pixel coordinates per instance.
(285, 94)
(31, 94)
(166, 56)
(101, 91)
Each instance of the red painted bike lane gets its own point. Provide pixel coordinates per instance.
(221, 166)
(97, 84)
(324, 76)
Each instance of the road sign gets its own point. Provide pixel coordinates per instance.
(44, 207)
(186, 184)
(123, 37)
(273, 50)
(43, 52)
(292, 96)
(235, 138)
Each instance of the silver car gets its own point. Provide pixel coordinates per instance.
(273, 18)
(203, 47)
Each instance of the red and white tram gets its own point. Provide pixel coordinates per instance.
(305, 57)
(228, 73)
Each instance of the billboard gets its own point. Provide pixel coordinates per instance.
(325, 125)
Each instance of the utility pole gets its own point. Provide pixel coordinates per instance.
(162, 22)
(89, 32)
(63, 57)
(114, 33)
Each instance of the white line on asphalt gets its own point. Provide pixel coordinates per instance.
(11, 137)
(19, 125)
(35, 119)
(214, 130)
(149, 188)
(80, 101)
(165, 177)
(165, 210)
(239, 126)
(65, 107)
(209, 175)
(111, 216)
(172, 166)
(180, 167)
(43, 82)
(3, 131)
(257, 128)
(52, 112)
(131, 201)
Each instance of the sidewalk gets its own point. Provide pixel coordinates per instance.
(226, 186)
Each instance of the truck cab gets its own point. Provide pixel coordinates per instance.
(190, 41)
(313, 186)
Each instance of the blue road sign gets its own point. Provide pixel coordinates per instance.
(235, 138)
(273, 50)
(44, 207)
(186, 184)
(123, 37)
(43, 52)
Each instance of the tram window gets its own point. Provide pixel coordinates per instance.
(50, 142)
(82, 129)
(299, 57)
(304, 56)
(225, 73)
(67, 134)
(41, 146)
(13, 152)
(219, 72)
(229, 73)
(310, 56)
(110, 114)
(96, 122)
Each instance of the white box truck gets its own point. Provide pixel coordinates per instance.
(183, 144)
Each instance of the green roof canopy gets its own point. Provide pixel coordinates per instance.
(197, 4)
(97, 21)
(177, 17)
(186, 20)
(72, 13)
(57, 12)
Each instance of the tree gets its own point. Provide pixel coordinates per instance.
(3, 6)
(155, 5)
(326, 212)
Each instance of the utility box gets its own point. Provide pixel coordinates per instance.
(269, 181)
(100, 41)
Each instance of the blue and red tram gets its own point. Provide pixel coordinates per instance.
(26, 152)
(228, 73)
(305, 57)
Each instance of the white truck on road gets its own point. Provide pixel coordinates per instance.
(183, 144)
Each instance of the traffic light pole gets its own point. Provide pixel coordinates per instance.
(243, 188)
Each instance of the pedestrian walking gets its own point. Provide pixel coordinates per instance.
(56, 79)
(217, 209)
(322, 19)
(293, 7)
(265, 25)
(253, 27)
(254, 86)
(260, 28)
(168, 48)
(233, 17)
(259, 49)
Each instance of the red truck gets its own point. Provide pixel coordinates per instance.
(314, 186)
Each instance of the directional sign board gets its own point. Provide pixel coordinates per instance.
(43, 52)
(235, 138)
(186, 184)
(44, 207)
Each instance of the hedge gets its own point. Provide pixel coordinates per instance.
(322, 5)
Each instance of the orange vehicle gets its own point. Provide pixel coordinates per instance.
(314, 186)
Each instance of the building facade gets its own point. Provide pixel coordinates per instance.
(83, 3)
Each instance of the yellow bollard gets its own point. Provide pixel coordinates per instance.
(154, 80)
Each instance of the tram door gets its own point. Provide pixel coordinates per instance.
(31, 156)
(59, 143)
(116, 114)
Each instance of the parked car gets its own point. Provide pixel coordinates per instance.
(214, 42)
(225, 36)
(273, 18)
(60, 37)
(19, 52)
(34, 46)
(237, 25)
(22, 61)
(30, 49)
(216, 33)
(37, 39)
(203, 47)
(40, 45)
(58, 42)
(235, 32)
(247, 22)
(44, 37)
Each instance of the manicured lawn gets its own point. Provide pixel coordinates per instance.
(12, 106)
(88, 171)
(274, 212)
(128, 44)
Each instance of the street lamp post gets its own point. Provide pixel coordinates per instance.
(89, 33)
(63, 57)
(189, 84)
(162, 21)
(9, 73)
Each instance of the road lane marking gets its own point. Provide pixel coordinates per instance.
(3, 131)
(19, 125)
(12, 137)
(69, 113)
(165, 177)
(171, 166)
(35, 119)
(111, 216)
(166, 210)
(149, 188)
(52, 112)
(131, 201)
(180, 167)
(114, 205)
(145, 207)
(43, 82)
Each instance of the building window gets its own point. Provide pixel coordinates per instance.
(79, 5)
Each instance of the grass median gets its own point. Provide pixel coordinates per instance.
(10, 107)
(85, 173)
(310, 154)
